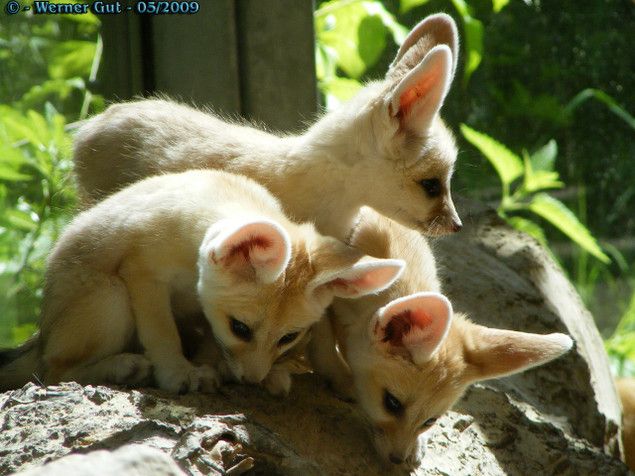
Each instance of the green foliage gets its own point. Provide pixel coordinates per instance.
(604, 99)
(351, 37)
(538, 174)
(52, 61)
(621, 345)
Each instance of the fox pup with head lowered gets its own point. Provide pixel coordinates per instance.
(386, 148)
(197, 240)
(407, 357)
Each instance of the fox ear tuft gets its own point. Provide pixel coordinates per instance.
(415, 325)
(497, 352)
(437, 29)
(418, 97)
(367, 276)
(259, 249)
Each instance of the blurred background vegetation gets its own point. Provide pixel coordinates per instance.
(542, 107)
(47, 64)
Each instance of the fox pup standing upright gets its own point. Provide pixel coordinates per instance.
(407, 357)
(199, 239)
(386, 148)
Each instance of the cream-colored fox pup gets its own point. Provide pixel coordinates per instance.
(407, 357)
(197, 240)
(626, 390)
(387, 148)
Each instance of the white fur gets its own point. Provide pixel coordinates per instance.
(360, 154)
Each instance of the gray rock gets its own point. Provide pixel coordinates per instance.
(133, 460)
(558, 419)
(504, 278)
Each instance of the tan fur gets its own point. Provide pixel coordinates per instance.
(120, 268)
(626, 390)
(427, 389)
(365, 153)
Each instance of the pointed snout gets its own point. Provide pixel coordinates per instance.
(457, 224)
(255, 374)
(398, 447)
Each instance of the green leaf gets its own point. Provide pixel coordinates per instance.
(61, 88)
(473, 46)
(71, 58)
(18, 219)
(10, 175)
(19, 128)
(556, 213)
(371, 39)
(605, 99)
(407, 5)
(529, 227)
(534, 180)
(545, 157)
(507, 164)
(399, 32)
(325, 62)
(473, 34)
(39, 126)
(356, 32)
(22, 332)
(498, 5)
(337, 90)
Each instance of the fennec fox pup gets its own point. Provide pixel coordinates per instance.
(387, 148)
(626, 390)
(407, 357)
(197, 240)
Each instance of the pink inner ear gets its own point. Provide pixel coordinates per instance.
(352, 285)
(247, 247)
(403, 324)
(413, 94)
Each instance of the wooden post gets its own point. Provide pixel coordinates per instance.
(249, 57)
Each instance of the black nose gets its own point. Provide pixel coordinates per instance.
(395, 459)
(456, 226)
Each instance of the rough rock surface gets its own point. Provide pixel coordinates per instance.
(504, 278)
(558, 419)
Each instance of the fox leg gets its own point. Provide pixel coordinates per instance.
(119, 369)
(86, 318)
(327, 362)
(158, 333)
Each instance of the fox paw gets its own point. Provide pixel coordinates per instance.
(131, 369)
(278, 382)
(184, 377)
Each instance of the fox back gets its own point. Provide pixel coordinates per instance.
(386, 148)
(199, 239)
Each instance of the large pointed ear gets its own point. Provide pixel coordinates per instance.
(367, 276)
(494, 353)
(438, 29)
(420, 94)
(414, 326)
(255, 249)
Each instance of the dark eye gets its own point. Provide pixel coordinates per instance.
(288, 338)
(429, 422)
(240, 329)
(431, 186)
(392, 404)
